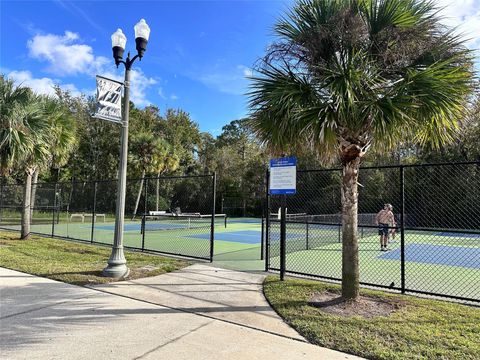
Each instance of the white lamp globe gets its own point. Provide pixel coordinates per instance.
(142, 30)
(119, 39)
(142, 33)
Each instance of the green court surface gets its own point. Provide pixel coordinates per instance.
(448, 265)
(436, 262)
(232, 253)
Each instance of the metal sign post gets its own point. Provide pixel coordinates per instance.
(283, 181)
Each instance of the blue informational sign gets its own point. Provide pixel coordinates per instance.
(283, 176)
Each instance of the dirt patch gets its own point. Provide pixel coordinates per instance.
(148, 268)
(366, 307)
(140, 272)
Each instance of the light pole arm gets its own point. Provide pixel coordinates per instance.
(128, 62)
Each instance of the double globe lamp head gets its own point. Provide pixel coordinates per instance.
(119, 40)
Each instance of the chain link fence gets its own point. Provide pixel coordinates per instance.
(433, 246)
(171, 215)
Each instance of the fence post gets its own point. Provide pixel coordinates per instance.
(1, 199)
(94, 210)
(283, 236)
(212, 225)
(402, 228)
(145, 211)
(54, 208)
(267, 222)
(307, 245)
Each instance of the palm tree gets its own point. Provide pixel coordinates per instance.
(23, 140)
(61, 138)
(149, 154)
(168, 161)
(62, 132)
(348, 74)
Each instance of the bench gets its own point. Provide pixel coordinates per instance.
(73, 216)
(82, 216)
(96, 216)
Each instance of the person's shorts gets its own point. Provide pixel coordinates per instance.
(383, 229)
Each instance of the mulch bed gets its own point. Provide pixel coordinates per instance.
(366, 307)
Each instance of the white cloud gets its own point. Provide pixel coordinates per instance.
(40, 85)
(465, 15)
(227, 80)
(140, 84)
(77, 11)
(161, 94)
(164, 97)
(65, 54)
(247, 72)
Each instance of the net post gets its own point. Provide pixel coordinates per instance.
(267, 221)
(212, 225)
(283, 236)
(402, 229)
(339, 233)
(145, 211)
(94, 211)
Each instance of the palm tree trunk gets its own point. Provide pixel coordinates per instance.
(34, 191)
(139, 195)
(27, 195)
(350, 270)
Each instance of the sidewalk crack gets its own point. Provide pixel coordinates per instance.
(173, 340)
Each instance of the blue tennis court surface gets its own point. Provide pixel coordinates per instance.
(243, 236)
(463, 235)
(466, 257)
(244, 221)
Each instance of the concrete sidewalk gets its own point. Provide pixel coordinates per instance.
(197, 313)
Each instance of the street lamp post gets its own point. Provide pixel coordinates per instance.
(117, 264)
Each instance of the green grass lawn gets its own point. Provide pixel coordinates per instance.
(418, 329)
(73, 262)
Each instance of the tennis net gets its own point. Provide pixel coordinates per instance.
(172, 221)
(291, 217)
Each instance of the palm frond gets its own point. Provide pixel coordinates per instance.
(372, 71)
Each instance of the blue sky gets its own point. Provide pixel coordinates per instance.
(197, 59)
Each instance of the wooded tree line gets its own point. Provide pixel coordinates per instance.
(67, 144)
